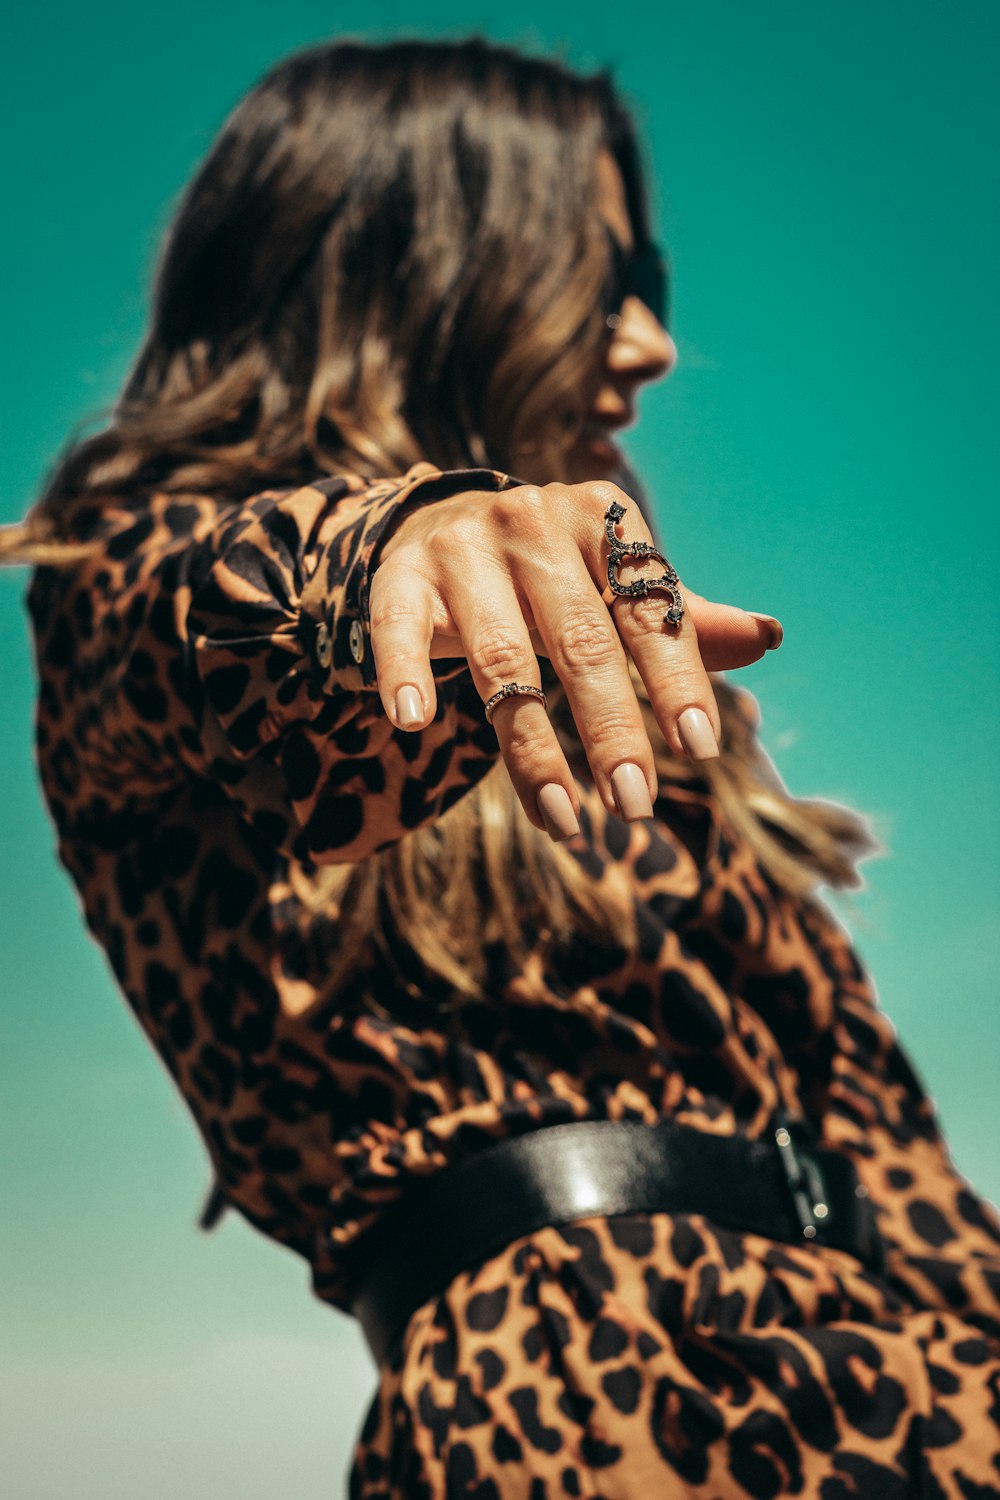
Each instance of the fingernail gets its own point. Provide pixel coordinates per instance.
(409, 707)
(777, 634)
(697, 734)
(557, 811)
(628, 782)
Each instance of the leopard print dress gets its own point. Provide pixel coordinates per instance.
(209, 735)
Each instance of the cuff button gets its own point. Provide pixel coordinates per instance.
(357, 639)
(324, 646)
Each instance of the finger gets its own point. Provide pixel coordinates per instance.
(676, 677)
(729, 637)
(496, 643)
(586, 651)
(536, 765)
(401, 613)
(667, 656)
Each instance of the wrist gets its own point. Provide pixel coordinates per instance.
(420, 517)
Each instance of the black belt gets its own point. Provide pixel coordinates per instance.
(779, 1186)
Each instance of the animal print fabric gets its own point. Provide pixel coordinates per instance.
(204, 755)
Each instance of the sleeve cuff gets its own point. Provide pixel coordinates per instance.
(336, 623)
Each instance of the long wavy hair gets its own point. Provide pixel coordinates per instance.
(393, 254)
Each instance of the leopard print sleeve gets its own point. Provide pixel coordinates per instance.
(232, 642)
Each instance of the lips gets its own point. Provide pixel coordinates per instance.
(600, 445)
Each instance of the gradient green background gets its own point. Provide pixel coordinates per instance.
(826, 450)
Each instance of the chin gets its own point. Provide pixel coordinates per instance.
(587, 473)
(585, 462)
(591, 461)
(588, 461)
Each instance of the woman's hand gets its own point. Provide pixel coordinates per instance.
(501, 578)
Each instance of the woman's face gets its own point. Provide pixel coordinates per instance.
(639, 350)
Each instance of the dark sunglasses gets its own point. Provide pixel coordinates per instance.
(638, 273)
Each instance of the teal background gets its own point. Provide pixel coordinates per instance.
(826, 450)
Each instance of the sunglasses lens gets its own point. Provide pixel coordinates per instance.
(616, 285)
(648, 281)
(641, 273)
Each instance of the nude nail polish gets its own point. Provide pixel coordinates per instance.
(697, 734)
(777, 634)
(557, 811)
(409, 707)
(628, 782)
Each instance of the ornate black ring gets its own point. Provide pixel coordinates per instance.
(668, 583)
(511, 690)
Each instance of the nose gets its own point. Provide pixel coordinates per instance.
(641, 348)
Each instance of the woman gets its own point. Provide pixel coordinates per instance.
(450, 882)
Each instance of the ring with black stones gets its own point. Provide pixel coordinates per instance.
(668, 582)
(511, 690)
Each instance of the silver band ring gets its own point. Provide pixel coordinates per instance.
(668, 582)
(511, 690)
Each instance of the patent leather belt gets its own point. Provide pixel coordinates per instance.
(779, 1186)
